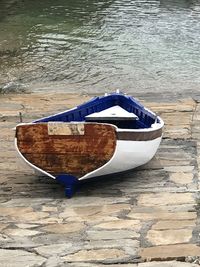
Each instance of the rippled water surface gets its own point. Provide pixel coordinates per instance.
(101, 45)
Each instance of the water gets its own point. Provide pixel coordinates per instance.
(98, 46)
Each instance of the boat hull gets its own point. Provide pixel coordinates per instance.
(101, 149)
(107, 135)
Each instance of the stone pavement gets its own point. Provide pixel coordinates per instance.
(149, 215)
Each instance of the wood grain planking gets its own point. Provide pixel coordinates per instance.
(73, 154)
(65, 163)
(54, 146)
(31, 132)
(39, 131)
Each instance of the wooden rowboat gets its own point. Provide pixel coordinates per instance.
(106, 135)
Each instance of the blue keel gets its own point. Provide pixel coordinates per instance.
(70, 182)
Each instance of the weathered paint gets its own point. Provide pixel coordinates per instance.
(62, 128)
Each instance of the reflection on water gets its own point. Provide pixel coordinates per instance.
(101, 45)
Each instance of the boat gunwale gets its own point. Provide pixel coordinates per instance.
(159, 125)
(95, 102)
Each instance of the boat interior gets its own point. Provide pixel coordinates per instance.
(123, 111)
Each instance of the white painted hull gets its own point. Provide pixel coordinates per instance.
(128, 155)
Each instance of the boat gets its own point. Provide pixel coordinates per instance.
(107, 135)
